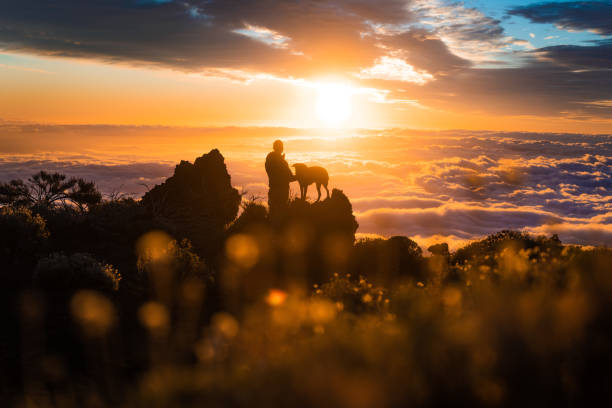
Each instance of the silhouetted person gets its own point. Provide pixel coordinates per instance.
(279, 177)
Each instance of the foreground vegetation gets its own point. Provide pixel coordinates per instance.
(175, 300)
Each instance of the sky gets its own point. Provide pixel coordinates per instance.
(426, 64)
(441, 120)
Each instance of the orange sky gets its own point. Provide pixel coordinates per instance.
(512, 65)
(52, 90)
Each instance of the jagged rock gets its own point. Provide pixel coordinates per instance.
(333, 216)
(198, 199)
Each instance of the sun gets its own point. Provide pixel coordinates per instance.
(333, 105)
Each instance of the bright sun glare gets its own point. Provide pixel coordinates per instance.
(333, 104)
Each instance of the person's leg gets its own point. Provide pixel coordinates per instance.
(278, 200)
(285, 195)
(270, 198)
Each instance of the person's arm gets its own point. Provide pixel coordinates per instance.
(268, 166)
(291, 175)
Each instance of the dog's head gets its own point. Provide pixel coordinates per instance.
(299, 166)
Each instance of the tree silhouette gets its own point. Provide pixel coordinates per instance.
(48, 190)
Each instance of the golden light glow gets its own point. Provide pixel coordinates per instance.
(242, 250)
(153, 245)
(333, 105)
(276, 297)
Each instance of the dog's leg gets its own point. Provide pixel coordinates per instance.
(326, 189)
(319, 191)
(305, 191)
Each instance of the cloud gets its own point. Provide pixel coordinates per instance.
(458, 219)
(597, 56)
(468, 32)
(438, 53)
(453, 185)
(595, 16)
(425, 51)
(397, 69)
(540, 88)
(131, 178)
(195, 35)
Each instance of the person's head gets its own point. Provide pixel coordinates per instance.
(278, 146)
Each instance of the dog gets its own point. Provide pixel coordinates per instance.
(307, 175)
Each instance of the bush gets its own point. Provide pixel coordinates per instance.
(177, 258)
(62, 274)
(253, 216)
(22, 236)
(383, 261)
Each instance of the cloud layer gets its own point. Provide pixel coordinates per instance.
(432, 186)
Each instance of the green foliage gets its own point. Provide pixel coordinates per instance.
(68, 273)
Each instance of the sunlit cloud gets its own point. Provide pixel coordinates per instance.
(395, 69)
(27, 69)
(264, 35)
(468, 32)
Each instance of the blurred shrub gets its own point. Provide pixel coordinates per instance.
(484, 249)
(59, 273)
(384, 261)
(353, 295)
(253, 216)
(22, 236)
(178, 258)
(439, 249)
(485, 343)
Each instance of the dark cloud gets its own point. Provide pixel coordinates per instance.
(539, 88)
(196, 35)
(154, 33)
(425, 51)
(597, 56)
(571, 15)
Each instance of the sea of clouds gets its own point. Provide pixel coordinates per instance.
(451, 186)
